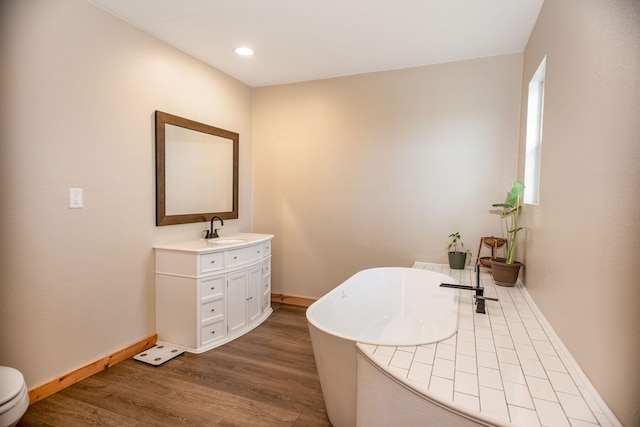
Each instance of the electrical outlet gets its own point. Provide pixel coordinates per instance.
(75, 198)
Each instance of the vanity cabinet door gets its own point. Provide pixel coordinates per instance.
(254, 307)
(237, 301)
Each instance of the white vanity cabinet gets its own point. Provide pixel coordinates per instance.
(208, 293)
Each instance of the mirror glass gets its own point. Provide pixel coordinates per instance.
(196, 171)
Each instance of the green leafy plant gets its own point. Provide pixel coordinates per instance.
(455, 241)
(510, 212)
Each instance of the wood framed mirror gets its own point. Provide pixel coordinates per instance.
(196, 171)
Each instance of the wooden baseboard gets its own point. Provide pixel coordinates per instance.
(54, 386)
(292, 300)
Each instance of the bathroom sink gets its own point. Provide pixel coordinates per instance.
(227, 240)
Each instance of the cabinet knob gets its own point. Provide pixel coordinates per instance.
(213, 309)
(213, 288)
(235, 257)
(213, 262)
(213, 332)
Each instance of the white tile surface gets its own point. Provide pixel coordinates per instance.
(544, 347)
(466, 347)
(562, 382)
(466, 363)
(523, 416)
(384, 350)
(466, 383)
(420, 372)
(485, 344)
(471, 402)
(446, 351)
(441, 387)
(575, 407)
(401, 359)
(466, 335)
(425, 354)
(443, 368)
(504, 364)
(541, 388)
(518, 395)
(493, 401)
(550, 413)
(503, 341)
(507, 355)
(487, 359)
(483, 332)
(533, 368)
(500, 329)
(488, 377)
(552, 363)
(512, 373)
(526, 351)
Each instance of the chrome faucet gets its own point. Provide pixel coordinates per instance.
(480, 298)
(213, 232)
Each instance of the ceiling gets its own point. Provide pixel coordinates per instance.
(300, 40)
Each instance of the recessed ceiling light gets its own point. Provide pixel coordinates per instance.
(244, 51)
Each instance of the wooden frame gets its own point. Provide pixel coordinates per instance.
(162, 217)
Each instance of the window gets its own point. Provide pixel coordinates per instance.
(535, 108)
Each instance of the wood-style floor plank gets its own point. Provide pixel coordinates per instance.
(267, 377)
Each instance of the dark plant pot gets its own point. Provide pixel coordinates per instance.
(457, 260)
(505, 274)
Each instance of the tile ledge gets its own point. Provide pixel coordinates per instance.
(601, 410)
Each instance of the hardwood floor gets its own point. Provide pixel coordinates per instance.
(268, 377)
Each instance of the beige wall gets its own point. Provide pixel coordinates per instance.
(79, 88)
(349, 173)
(582, 240)
(378, 169)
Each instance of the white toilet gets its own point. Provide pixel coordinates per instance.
(14, 399)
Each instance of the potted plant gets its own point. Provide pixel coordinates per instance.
(505, 270)
(457, 259)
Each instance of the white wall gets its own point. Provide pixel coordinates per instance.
(378, 169)
(581, 244)
(79, 88)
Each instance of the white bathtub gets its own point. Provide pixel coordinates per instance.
(390, 306)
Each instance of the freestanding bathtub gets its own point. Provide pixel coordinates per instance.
(382, 306)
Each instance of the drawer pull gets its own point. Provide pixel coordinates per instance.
(213, 288)
(213, 309)
(213, 262)
(249, 298)
(258, 252)
(235, 257)
(213, 332)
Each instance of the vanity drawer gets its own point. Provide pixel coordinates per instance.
(212, 262)
(212, 311)
(212, 287)
(241, 256)
(266, 267)
(212, 332)
(267, 248)
(266, 301)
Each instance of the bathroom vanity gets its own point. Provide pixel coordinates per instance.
(209, 292)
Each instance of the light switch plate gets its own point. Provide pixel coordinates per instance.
(75, 198)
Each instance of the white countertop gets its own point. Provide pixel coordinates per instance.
(506, 367)
(222, 243)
